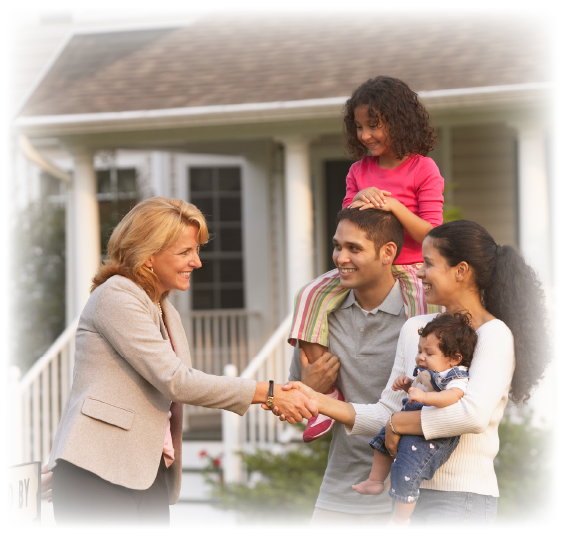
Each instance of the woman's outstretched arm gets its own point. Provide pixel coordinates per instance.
(405, 422)
(368, 419)
(294, 405)
(336, 409)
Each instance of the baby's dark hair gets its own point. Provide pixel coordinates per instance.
(391, 100)
(455, 335)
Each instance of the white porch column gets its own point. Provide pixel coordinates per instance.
(534, 238)
(534, 205)
(83, 249)
(299, 215)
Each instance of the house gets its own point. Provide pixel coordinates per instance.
(243, 117)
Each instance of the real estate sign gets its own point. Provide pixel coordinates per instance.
(24, 492)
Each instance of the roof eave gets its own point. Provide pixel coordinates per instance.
(435, 101)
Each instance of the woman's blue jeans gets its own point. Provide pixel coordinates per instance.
(418, 459)
(453, 510)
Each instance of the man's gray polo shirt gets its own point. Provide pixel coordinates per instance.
(366, 347)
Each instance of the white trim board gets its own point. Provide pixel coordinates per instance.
(262, 111)
(102, 27)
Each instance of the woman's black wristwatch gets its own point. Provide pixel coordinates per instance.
(270, 399)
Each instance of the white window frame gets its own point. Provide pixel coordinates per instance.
(181, 189)
(35, 175)
(125, 160)
(139, 160)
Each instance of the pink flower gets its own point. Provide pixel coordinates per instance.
(203, 454)
(217, 462)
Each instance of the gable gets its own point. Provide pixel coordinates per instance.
(221, 61)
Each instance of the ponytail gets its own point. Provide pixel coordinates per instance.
(510, 290)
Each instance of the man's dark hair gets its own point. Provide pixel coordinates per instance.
(455, 335)
(380, 226)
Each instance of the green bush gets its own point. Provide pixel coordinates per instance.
(37, 281)
(450, 212)
(522, 470)
(282, 487)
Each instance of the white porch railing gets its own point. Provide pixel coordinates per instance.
(216, 339)
(41, 396)
(220, 337)
(34, 403)
(258, 428)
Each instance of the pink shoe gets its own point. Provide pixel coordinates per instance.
(320, 425)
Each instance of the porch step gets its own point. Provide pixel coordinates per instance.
(201, 424)
(194, 487)
(185, 515)
(47, 516)
(182, 514)
(194, 509)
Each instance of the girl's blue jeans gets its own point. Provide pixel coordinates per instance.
(418, 459)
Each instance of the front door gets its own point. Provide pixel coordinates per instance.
(335, 188)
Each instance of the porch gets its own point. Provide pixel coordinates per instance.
(220, 344)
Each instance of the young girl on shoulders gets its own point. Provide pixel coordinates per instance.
(385, 119)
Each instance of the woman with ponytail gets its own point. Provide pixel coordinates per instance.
(463, 270)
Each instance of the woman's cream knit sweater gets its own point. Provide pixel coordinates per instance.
(475, 416)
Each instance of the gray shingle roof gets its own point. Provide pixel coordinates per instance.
(265, 59)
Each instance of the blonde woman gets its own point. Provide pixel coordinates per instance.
(117, 454)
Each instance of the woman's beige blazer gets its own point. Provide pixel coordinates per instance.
(125, 377)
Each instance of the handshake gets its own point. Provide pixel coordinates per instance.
(294, 402)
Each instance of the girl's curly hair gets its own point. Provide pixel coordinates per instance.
(392, 101)
(509, 289)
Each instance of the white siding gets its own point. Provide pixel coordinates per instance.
(484, 172)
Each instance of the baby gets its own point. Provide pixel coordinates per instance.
(445, 350)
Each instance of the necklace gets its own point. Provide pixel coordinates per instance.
(160, 309)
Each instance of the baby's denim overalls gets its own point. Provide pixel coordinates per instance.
(418, 459)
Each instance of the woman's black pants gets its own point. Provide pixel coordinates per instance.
(81, 497)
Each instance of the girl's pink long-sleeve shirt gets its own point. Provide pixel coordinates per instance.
(416, 183)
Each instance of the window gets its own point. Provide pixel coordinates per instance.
(335, 190)
(52, 191)
(117, 195)
(50, 186)
(55, 14)
(218, 284)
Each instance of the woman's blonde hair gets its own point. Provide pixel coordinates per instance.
(149, 227)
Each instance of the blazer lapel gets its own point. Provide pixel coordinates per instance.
(164, 332)
(176, 332)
